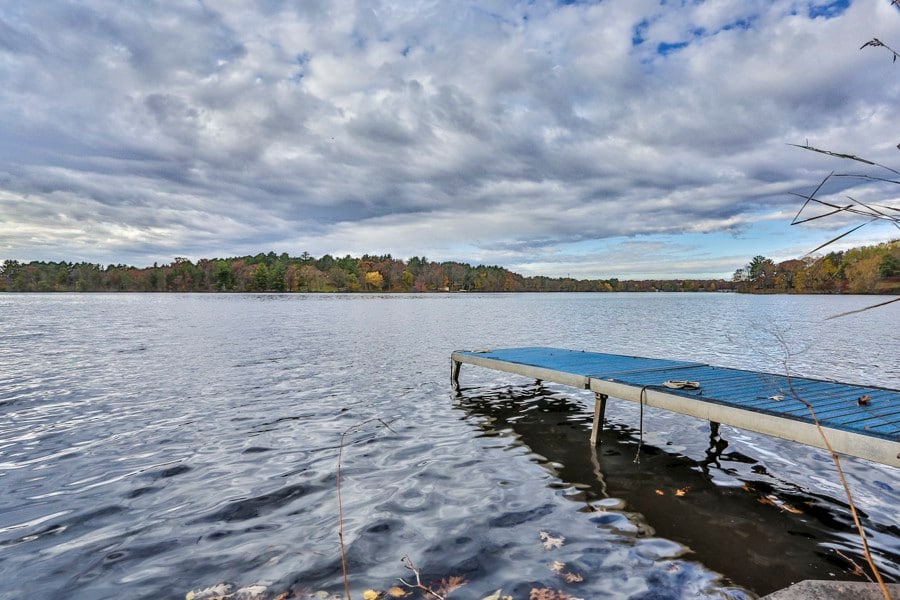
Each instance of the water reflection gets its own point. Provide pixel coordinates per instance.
(761, 534)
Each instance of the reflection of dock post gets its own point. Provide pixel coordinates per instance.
(454, 373)
(716, 444)
(599, 413)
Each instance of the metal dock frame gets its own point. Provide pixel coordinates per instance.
(744, 399)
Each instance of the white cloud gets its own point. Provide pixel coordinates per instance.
(496, 132)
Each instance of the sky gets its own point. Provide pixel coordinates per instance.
(621, 138)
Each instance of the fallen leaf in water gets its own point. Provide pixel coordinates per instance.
(371, 595)
(773, 501)
(220, 590)
(681, 492)
(251, 592)
(791, 509)
(660, 493)
(397, 592)
(448, 584)
(551, 542)
(549, 594)
(559, 568)
(573, 577)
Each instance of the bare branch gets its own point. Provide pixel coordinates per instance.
(833, 240)
(876, 43)
(853, 312)
(408, 563)
(844, 155)
(340, 501)
(811, 196)
(840, 471)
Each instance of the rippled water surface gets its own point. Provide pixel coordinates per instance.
(155, 444)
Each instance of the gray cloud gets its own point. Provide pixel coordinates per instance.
(498, 132)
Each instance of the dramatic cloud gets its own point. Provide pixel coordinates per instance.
(604, 139)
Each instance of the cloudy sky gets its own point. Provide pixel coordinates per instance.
(615, 138)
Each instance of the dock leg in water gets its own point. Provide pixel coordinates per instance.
(716, 444)
(454, 374)
(599, 413)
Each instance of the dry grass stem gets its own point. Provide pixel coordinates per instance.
(840, 471)
(347, 431)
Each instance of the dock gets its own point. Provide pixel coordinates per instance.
(856, 420)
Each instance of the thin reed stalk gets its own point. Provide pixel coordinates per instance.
(840, 471)
(341, 502)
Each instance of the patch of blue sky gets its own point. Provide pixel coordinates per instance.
(638, 32)
(302, 61)
(744, 24)
(828, 10)
(665, 48)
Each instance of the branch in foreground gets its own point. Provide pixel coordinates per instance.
(408, 563)
(876, 43)
(340, 501)
(840, 471)
(859, 310)
(844, 155)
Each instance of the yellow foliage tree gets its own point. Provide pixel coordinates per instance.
(374, 279)
(862, 275)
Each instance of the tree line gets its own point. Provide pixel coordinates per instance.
(283, 273)
(863, 270)
(868, 269)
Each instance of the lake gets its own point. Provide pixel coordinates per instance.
(151, 445)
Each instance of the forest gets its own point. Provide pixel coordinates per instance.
(862, 270)
(871, 269)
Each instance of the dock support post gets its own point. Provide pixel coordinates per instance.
(599, 413)
(454, 374)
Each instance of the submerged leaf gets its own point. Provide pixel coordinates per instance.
(397, 592)
(449, 584)
(221, 590)
(549, 594)
(551, 542)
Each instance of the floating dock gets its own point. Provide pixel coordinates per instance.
(861, 421)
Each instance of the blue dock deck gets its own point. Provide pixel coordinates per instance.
(861, 421)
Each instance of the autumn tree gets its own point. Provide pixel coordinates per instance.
(374, 279)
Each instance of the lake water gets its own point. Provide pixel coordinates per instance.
(151, 445)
